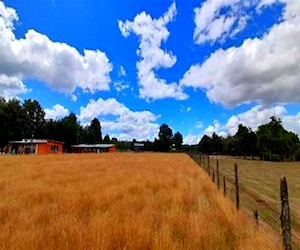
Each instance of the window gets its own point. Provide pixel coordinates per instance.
(54, 148)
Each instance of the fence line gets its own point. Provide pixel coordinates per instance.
(285, 216)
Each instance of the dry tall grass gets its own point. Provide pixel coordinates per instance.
(118, 201)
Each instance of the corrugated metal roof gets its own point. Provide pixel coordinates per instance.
(93, 146)
(138, 145)
(29, 141)
(36, 141)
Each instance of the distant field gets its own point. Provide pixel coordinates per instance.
(259, 181)
(119, 201)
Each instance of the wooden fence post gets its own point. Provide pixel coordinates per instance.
(218, 175)
(213, 175)
(285, 215)
(224, 186)
(237, 195)
(256, 216)
(208, 165)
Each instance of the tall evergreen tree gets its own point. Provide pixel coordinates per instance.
(35, 119)
(16, 120)
(4, 128)
(106, 139)
(165, 136)
(95, 134)
(177, 139)
(69, 131)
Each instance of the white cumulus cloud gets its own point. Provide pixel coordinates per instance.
(152, 32)
(218, 20)
(58, 111)
(11, 86)
(292, 123)
(191, 139)
(126, 124)
(255, 117)
(35, 56)
(266, 70)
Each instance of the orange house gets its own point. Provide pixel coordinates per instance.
(35, 146)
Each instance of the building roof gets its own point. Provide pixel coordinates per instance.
(93, 146)
(138, 144)
(35, 141)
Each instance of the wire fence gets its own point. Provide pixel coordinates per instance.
(275, 212)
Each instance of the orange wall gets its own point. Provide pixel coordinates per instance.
(112, 149)
(45, 148)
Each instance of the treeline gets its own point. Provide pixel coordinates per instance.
(164, 142)
(270, 142)
(26, 120)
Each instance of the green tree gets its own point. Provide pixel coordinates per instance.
(229, 145)
(245, 141)
(217, 144)
(51, 130)
(4, 128)
(15, 120)
(69, 131)
(114, 140)
(178, 140)
(35, 119)
(132, 143)
(148, 146)
(276, 143)
(106, 139)
(165, 136)
(211, 145)
(206, 145)
(123, 145)
(92, 133)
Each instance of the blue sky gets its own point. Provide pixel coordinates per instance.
(199, 66)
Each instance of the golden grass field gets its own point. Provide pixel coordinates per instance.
(259, 188)
(119, 201)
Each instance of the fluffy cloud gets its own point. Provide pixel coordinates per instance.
(266, 70)
(59, 65)
(255, 117)
(11, 86)
(121, 85)
(220, 19)
(252, 118)
(215, 128)
(122, 71)
(191, 139)
(57, 111)
(127, 124)
(152, 32)
(292, 123)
